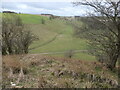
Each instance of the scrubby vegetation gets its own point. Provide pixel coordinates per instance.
(53, 72)
(103, 33)
(61, 57)
(15, 38)
(56, 70)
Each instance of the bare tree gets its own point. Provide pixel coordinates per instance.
(103, 29)
(15, 38)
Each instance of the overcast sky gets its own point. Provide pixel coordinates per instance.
(55, 8)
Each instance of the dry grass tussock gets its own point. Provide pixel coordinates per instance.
(14, 62)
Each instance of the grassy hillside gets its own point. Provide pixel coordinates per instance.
(54, 70)
(32, 19)
(55, 35)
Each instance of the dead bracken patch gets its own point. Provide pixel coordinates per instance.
(54, 72)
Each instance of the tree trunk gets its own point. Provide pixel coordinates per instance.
(112, 63)
(26, 50)
(115, 57)
(119, 38)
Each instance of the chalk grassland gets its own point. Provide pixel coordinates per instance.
(54, 70)
(55, 35)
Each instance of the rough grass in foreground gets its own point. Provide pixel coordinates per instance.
(56, 72)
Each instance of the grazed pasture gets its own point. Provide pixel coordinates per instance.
(59, 28)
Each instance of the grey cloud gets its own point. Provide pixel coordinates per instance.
(56, 8)
(9, 5)
(48, 5)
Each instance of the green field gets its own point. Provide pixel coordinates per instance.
(55, 35)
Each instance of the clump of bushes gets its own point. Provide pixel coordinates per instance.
(16, 39)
